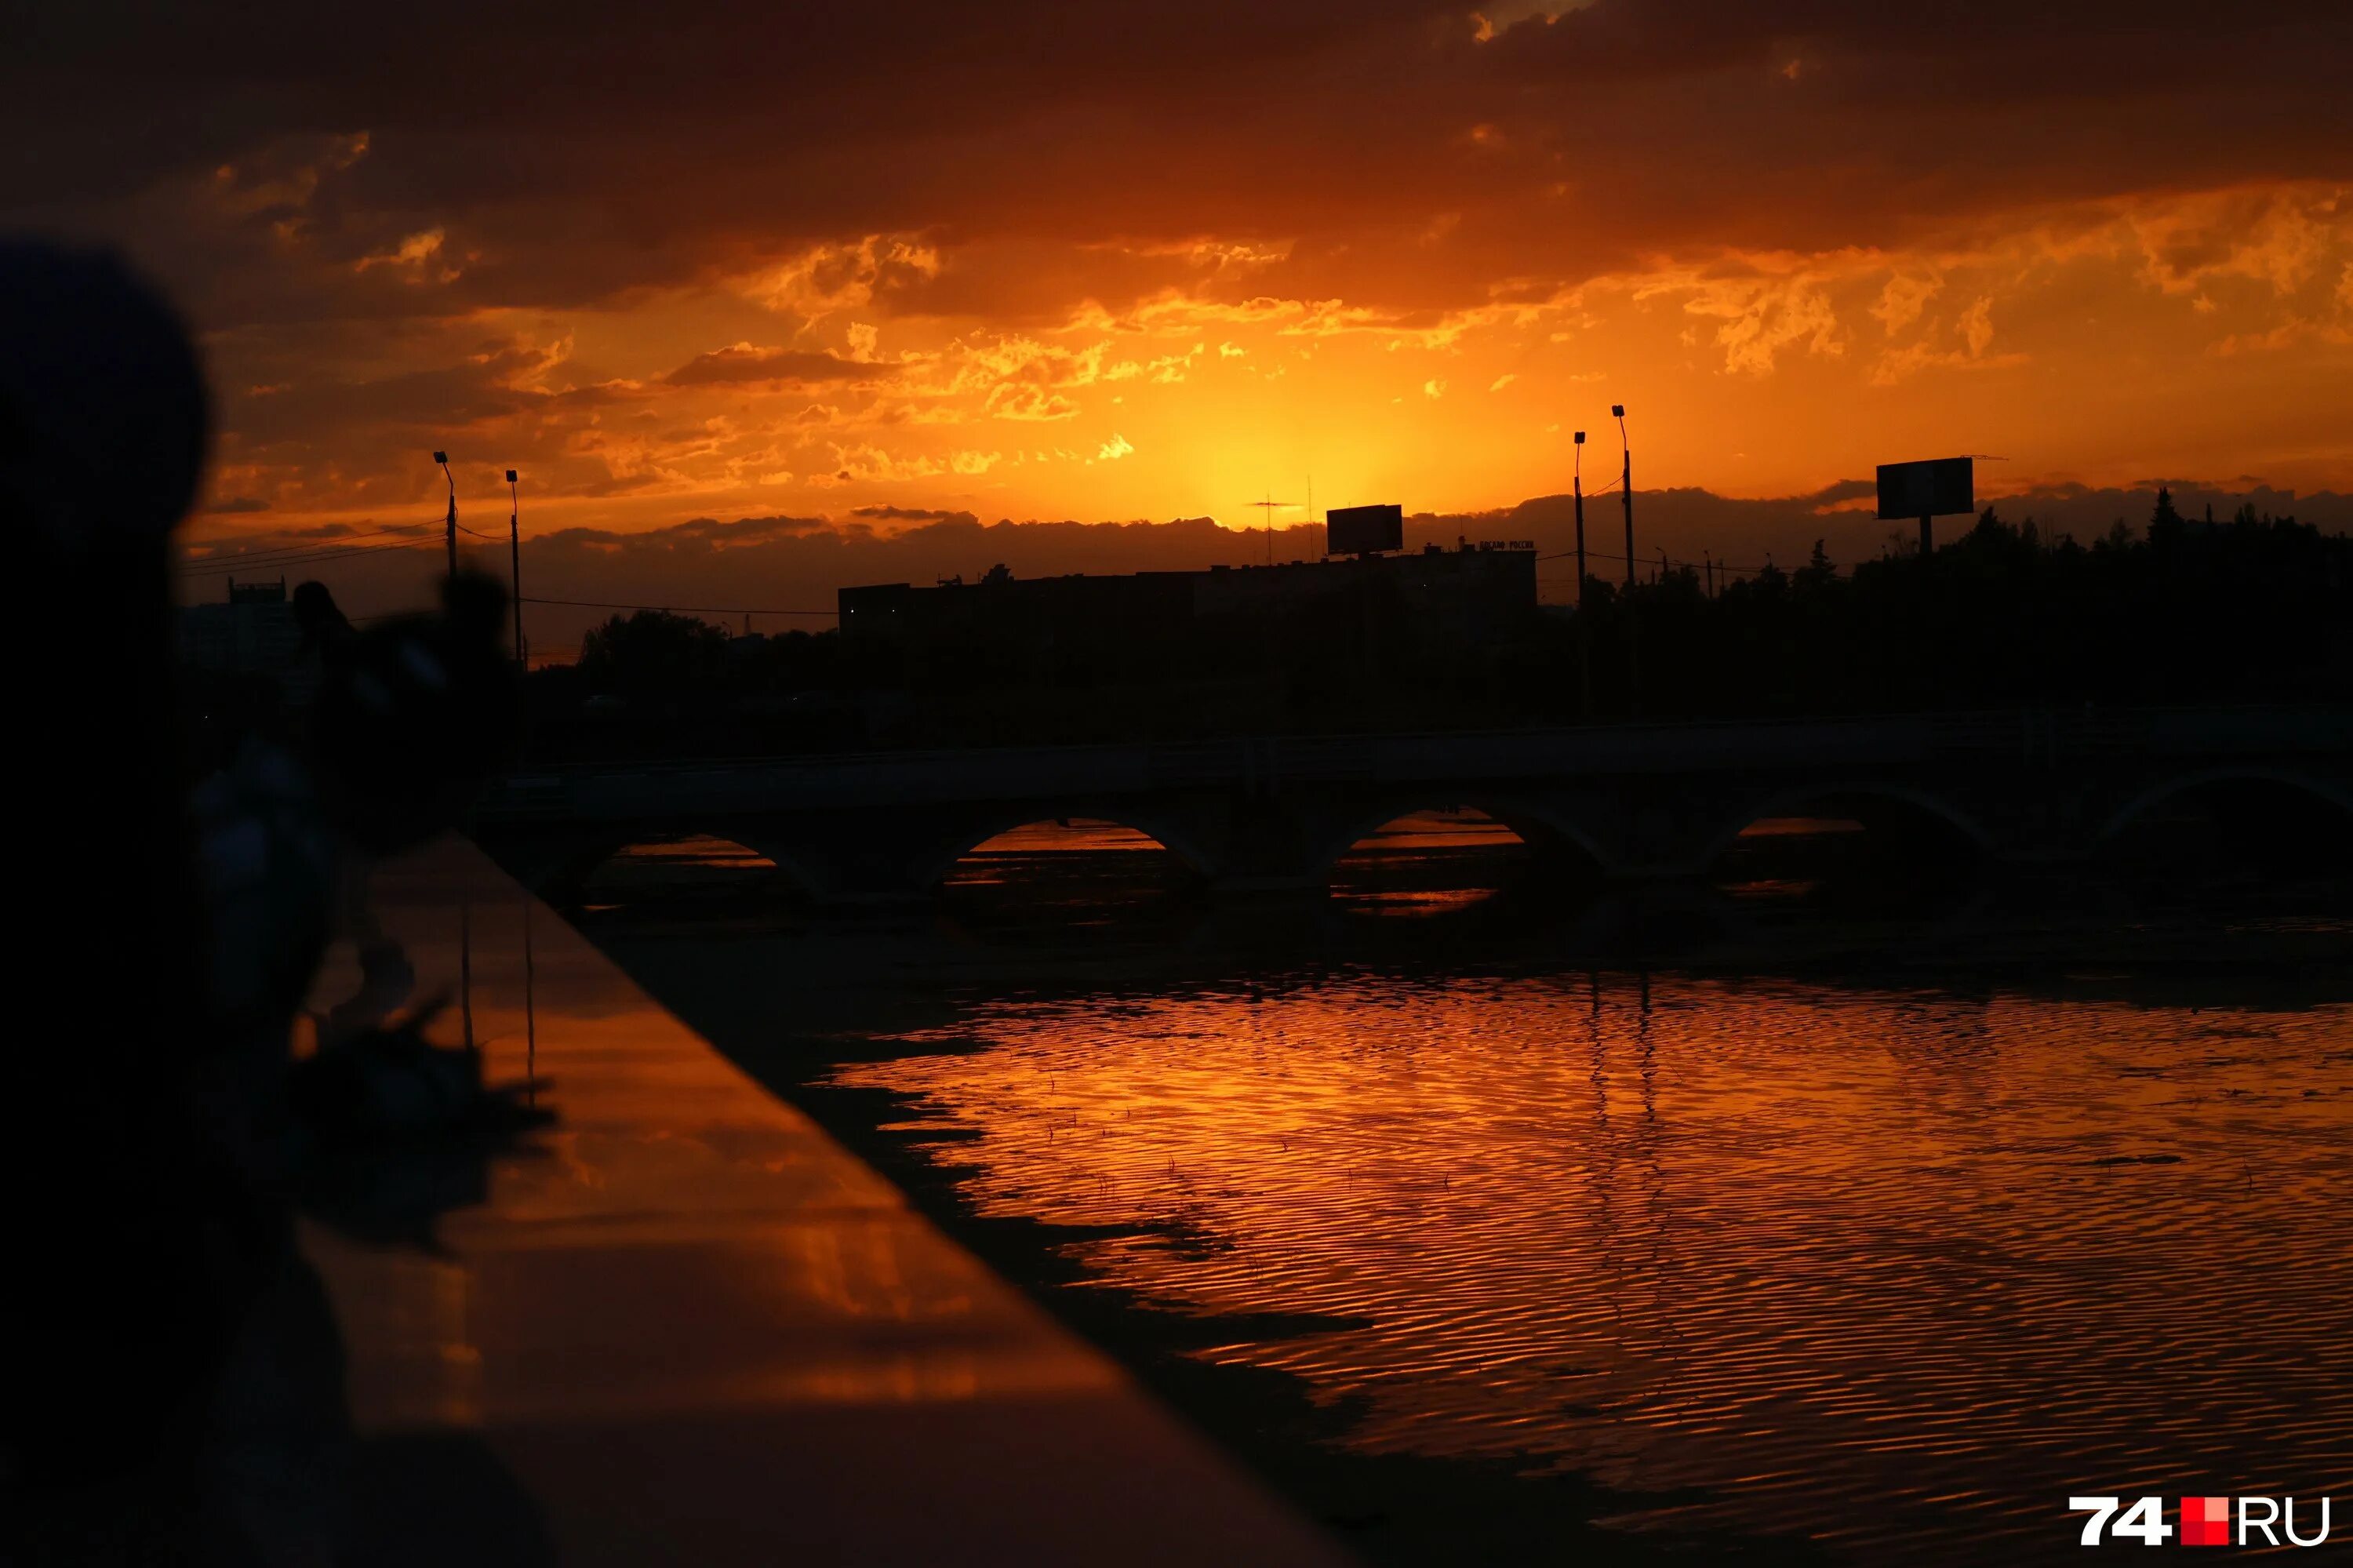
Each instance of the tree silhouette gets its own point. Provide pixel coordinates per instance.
(1817, 574)
(652, 653)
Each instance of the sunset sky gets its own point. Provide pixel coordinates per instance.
(824, 266)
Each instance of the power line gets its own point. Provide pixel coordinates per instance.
(327, 549)
(1613, 555)
(280, 564)
(272, 562)
(310, 547)
(336, 541)
(316, 554)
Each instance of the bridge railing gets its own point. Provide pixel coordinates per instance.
(2032, 737)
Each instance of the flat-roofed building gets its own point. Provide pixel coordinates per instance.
(250, 632)
(1445, 602)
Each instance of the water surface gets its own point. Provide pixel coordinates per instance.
(1894, 1270)
(1892, 1266)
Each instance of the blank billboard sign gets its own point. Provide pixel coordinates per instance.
(1361, 530)
(1940, 487)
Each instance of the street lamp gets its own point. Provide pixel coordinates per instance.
(1626, 487)
(1579, 481)
(514, 558)
(443, 459)
(1584, 621)
(1633, 622)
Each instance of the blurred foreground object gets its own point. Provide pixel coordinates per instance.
(102, 436)
(176, 1393)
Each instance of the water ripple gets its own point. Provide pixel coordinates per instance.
(1898, 1272)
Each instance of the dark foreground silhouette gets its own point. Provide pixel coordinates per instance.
(176, 1386)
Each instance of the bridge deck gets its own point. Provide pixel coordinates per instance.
(2034, 738)
(1272, 814)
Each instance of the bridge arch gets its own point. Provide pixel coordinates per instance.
(557, 866)
(2322, 791)
(1797, 799)
(941, 861)
(1545, 831)
(564, 876)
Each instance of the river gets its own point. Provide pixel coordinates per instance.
(1875, 1257)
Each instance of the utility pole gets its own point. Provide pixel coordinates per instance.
(443, 459)
(514, 565)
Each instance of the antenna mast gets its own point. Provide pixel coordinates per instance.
(1268, 506)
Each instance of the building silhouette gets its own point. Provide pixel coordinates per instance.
(251, 632)
(1441, 604)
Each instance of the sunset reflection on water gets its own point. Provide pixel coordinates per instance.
(1422, 864)
(1892, 1270)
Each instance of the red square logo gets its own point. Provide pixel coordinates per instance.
(2205, 1521)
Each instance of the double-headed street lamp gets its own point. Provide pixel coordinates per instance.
(1626, 487)
(443, 459)
(514, 561)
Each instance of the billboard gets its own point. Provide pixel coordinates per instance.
(1361, 530)
(1938, 488)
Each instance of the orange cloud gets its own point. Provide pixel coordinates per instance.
(947, 258)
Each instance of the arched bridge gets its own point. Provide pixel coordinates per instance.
(1270, 813)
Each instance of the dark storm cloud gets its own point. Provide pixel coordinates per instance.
(912, 515)
(711, 531)
(1846, 490)
(745, 364)
(482, 388)
(571, 154)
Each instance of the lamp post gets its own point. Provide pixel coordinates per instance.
(1584, 621)
(443, 459)
(1579, 481)
(1633, 625)
(514, 566)
(1626, 487)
